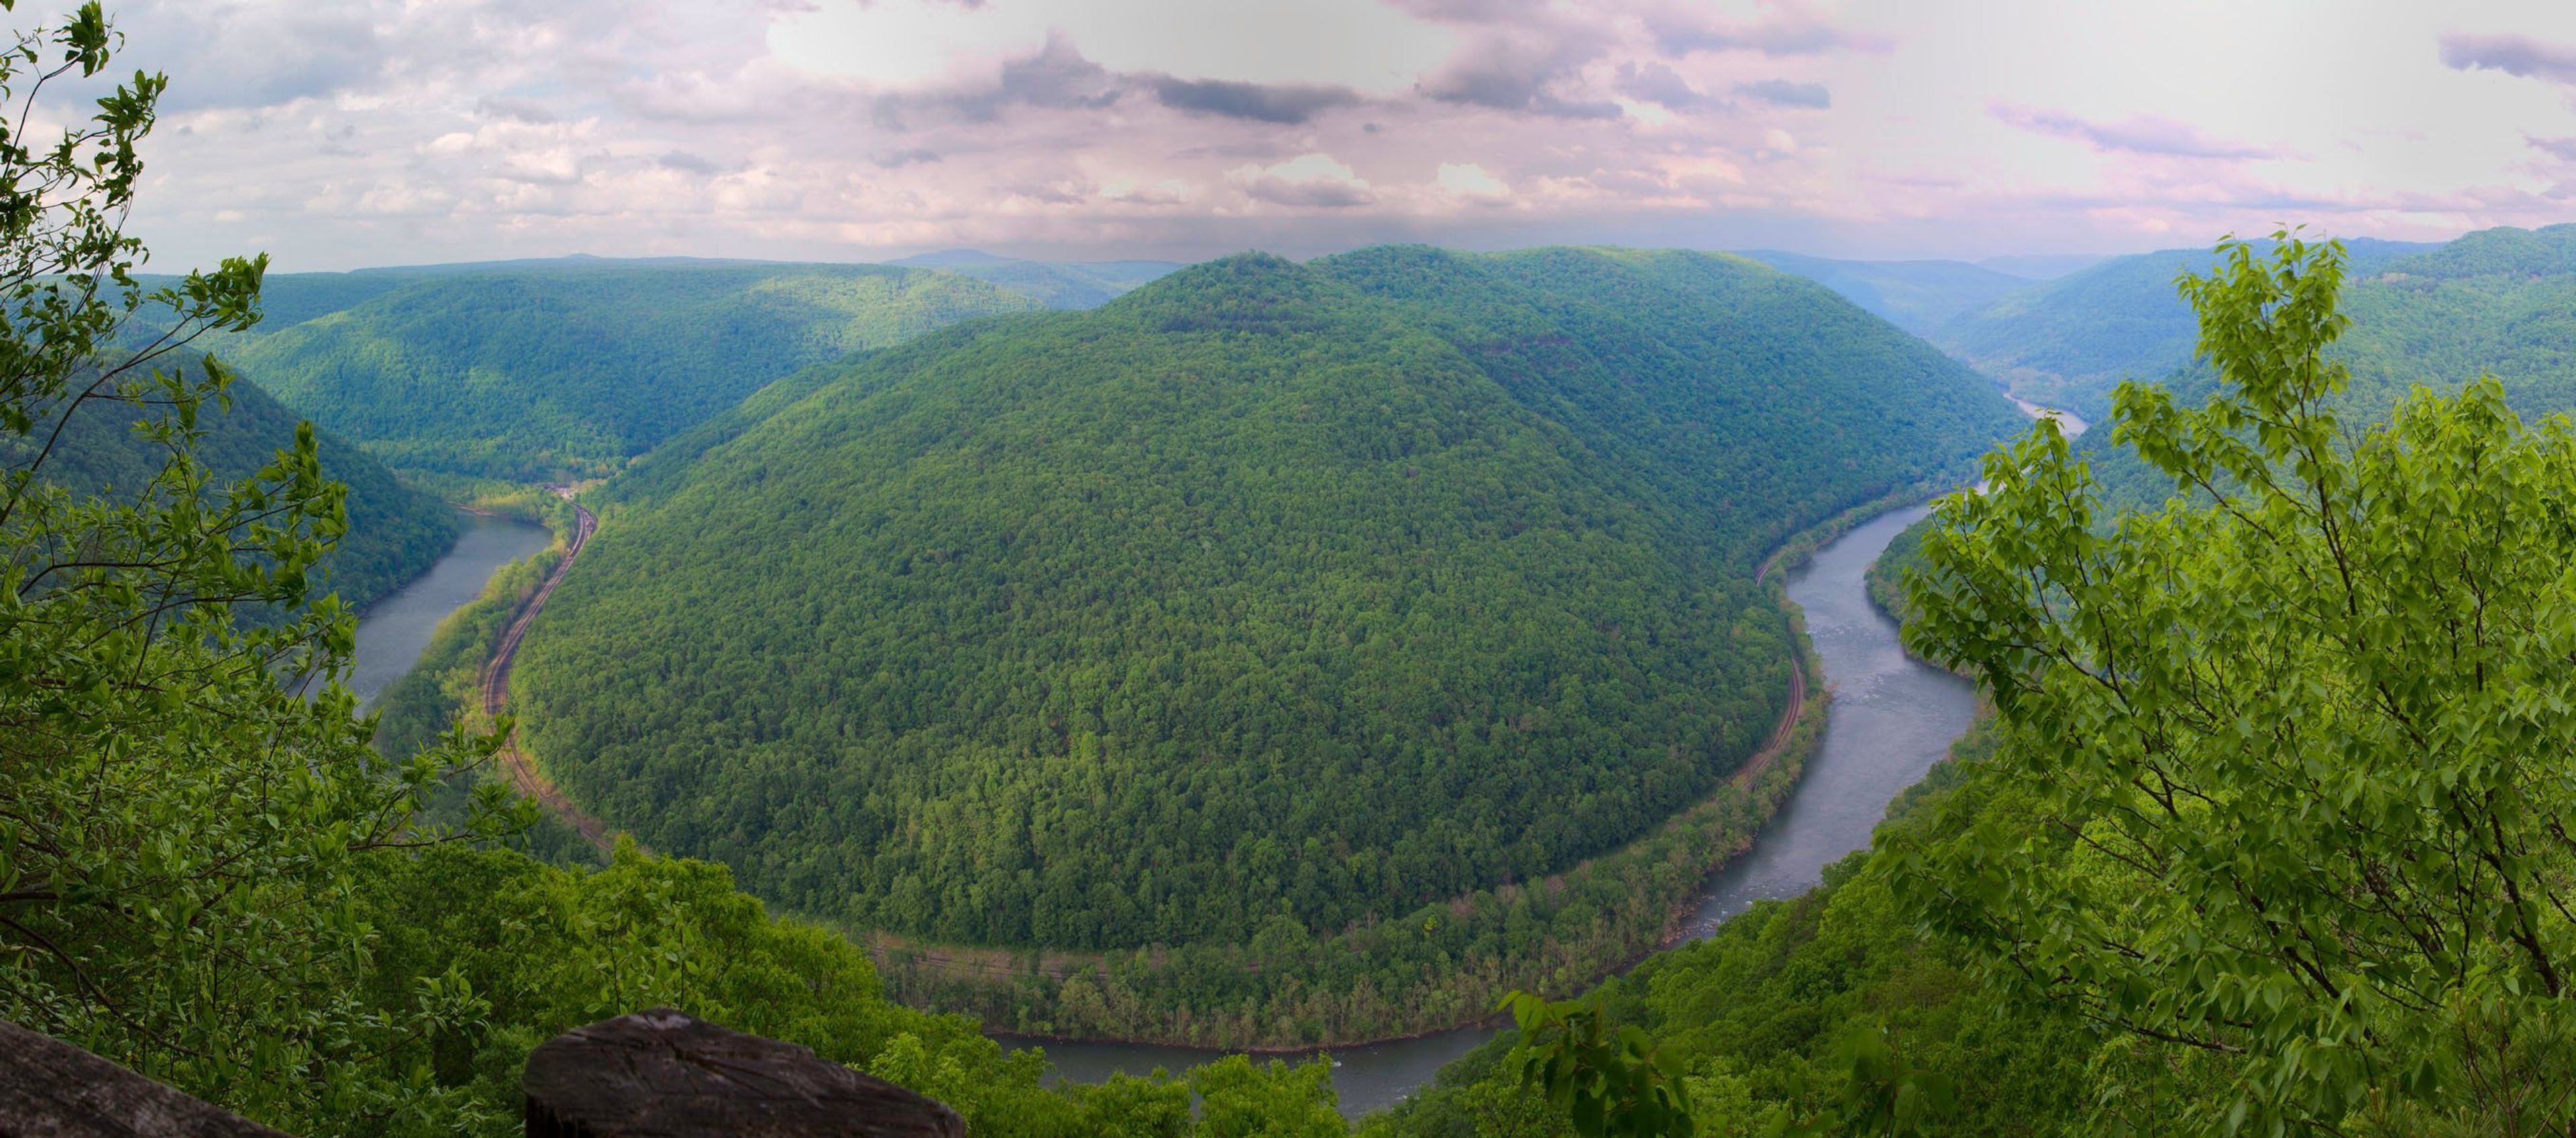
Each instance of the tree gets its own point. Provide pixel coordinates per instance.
(1610, 1082)
(2297, 746)
(183, 791)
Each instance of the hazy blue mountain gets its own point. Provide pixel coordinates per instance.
(1917, 296)
(1055, 284)
(2043, 266)
(2069, 341)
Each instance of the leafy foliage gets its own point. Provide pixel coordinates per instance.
(209, 877)
(1828, 1013)
(2295, 756)
(2495, 301)
(178, 832)
(1609, 1084)
(533, 950)
(568, 370)
(395, 532)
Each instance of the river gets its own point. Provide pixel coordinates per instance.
(1891, 718)
(394, 630)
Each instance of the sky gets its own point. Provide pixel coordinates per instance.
(335, 134)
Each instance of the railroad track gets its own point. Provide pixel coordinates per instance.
(521, 769)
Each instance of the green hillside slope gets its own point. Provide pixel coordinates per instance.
(1918, 296)
(529, 373)
(395, 532)
(1267, 591)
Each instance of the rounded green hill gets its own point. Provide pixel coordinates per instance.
(1270, 589)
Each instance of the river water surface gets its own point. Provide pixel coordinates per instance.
(394, 630)
(1891, 718)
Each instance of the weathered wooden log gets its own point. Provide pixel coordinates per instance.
(662, 1074)
(51, 1089)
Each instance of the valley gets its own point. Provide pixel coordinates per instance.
(1177, 583)
(1890, 717)
(1026, 569)
(393, 632)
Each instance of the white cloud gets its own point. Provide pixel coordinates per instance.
(1354, 43)
(402, 131)
(1470, 180)
(1316, 181)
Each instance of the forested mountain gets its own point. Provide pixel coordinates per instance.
(1918, 296)
(2501, 301)
(570, 368)
(1356, 585)
(395, 532)
(1056, 284)
(2067, 342)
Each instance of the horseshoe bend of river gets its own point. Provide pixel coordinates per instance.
(1891, 718)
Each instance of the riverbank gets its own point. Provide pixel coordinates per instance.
(394, 631)
(444, 684)
(1425, 972)
(1437, 968)
(516, 764)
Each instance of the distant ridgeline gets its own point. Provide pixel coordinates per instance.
(554, 369)
(1265, 601)
(395, 532)
(1078, 284)
(1918, 296)
(2498, 300)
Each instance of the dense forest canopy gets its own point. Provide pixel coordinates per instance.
(1356, 584)
(2306, 744)
(569, 369)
